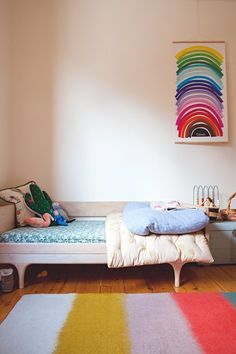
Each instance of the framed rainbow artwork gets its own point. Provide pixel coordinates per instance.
(201, 100)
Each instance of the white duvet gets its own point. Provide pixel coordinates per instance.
(125, 249)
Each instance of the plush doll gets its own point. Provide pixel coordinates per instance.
(40, 203)
(60, 220)
(45, 221)
(57, 207)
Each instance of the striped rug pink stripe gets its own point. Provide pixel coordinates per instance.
(212, 319)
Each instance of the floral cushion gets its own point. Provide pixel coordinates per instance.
(15, 195)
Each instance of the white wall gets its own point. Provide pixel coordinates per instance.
(32, 92)
(93, 99)
(4, 91)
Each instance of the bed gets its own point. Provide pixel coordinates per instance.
(85, 241)
(24, 246)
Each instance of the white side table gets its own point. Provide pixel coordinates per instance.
(222, 241)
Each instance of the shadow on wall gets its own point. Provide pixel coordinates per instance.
(4, 91)
(32, 82)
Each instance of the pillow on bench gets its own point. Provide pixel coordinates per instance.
(142, 220)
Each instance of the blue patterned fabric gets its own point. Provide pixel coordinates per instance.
(79, 231)
(140, 219)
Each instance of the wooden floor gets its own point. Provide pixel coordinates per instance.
(99, 279)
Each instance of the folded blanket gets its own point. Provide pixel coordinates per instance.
(142, 220)
(174, 204)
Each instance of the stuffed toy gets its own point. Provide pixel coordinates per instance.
(39, 202)
(60, 220)
(45, 221)
(57, 209)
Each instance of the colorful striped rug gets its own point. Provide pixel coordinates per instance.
(121, 323)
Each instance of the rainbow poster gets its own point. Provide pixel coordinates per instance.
(201, 101)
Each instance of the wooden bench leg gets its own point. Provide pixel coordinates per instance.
(177, 266)
(21, 267)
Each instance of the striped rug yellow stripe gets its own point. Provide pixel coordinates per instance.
(87, 322)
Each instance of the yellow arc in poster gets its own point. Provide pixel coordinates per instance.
(200, 48)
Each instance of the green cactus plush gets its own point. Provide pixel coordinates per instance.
(39, 202)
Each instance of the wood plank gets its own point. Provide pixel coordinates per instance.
(98, 278)
(8, 301)
(67, 279)
(202, 281)
(92, 208)
(223, 279)
(112, 281)
(230, 270)
(134, 281)
(89, 279)
(159, 278)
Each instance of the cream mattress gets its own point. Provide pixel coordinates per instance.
(125, 249)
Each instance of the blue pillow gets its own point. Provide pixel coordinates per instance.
(140, 219)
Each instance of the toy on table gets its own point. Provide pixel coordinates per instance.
(209, 203)
(211, 210)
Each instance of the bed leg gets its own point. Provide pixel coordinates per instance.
(21, 274)
(177, 266)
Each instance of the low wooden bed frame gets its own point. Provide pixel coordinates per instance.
(22, 255)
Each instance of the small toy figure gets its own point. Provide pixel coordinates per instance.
(57, 207)
(60, 215)
(209, 203)
(60, 220)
